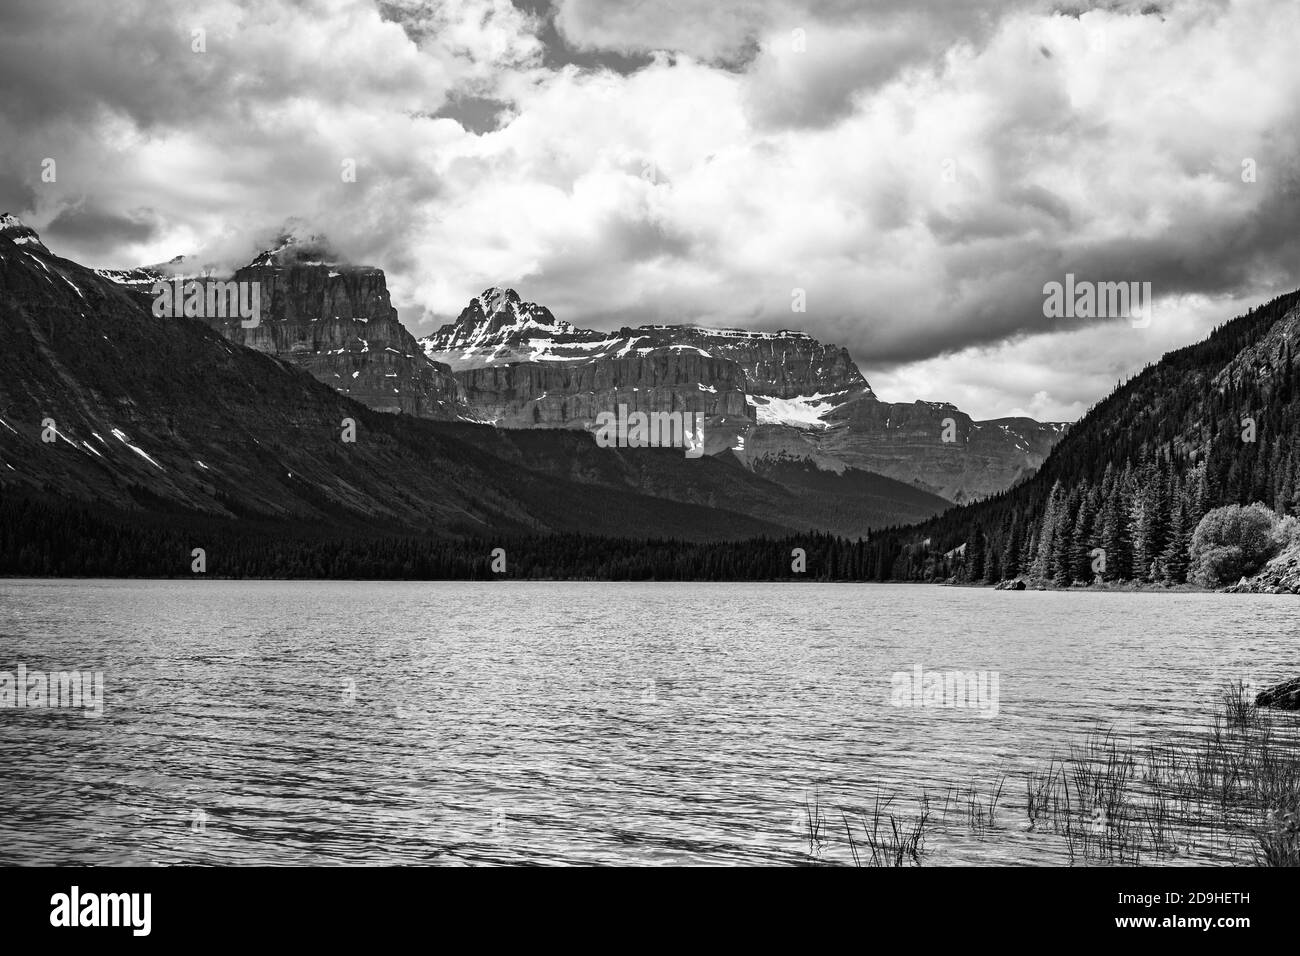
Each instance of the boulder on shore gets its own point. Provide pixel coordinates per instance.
(1014, 584)
(1283, 696)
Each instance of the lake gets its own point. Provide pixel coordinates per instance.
(573, 723)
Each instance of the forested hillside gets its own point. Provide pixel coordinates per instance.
(1119, 498)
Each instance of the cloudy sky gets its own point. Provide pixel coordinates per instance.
(919, 168)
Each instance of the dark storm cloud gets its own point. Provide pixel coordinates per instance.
(478, 114)
(1253, 256)
(68, 60)
(15, 193)
(95, 228)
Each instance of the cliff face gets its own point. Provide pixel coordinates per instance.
(551, 395)
(781, 364)
(337, 322)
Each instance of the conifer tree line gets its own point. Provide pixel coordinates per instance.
(39, 538)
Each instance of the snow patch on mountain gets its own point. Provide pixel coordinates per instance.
(803, 411)
(121, 436)
(19, 233)
(142, 276)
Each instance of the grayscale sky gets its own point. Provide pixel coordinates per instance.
(920, 168)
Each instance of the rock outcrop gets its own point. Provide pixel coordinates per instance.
(1281, 575)
(1283, 696)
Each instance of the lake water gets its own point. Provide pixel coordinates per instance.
(511, 722)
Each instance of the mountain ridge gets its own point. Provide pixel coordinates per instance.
(104, 403)
(513, 364)
(522, 367)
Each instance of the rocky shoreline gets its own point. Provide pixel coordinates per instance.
(1283, 696)
(1026, 584)
(1281, 575)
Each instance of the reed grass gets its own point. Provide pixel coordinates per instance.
(1227, 794)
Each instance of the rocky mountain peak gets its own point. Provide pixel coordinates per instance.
(504, 309)
(497, 299)
(495, 319)
(19, 233)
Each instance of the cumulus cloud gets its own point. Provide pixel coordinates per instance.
(919, 169)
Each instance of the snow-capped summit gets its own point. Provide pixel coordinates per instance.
(506, 313)
(19, 233)
(498, 321)
(499, 328)
(495, 299)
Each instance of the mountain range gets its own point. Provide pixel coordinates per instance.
(767, 397)
(111, 409)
